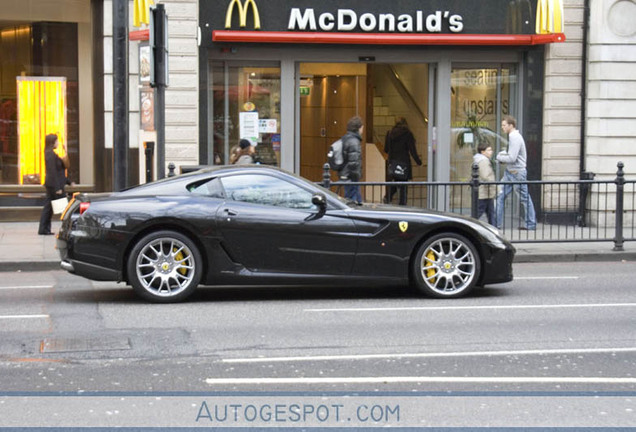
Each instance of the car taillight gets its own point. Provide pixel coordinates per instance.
(83, 207)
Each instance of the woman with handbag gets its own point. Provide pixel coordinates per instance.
(55, 180)
(400, 146)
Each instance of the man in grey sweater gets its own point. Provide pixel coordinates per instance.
(515, 160)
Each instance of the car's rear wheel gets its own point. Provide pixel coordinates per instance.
(164, 267)
(446, 266)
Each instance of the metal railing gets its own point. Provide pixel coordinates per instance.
(572, 211)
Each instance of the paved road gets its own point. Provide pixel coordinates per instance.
(557, 327)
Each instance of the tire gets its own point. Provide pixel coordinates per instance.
(446, 266)
(164, 267)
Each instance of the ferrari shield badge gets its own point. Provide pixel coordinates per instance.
(403, 226)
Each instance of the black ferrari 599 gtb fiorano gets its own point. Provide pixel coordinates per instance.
(255, 225)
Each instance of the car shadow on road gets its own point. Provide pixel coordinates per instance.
(309, 293)
(122, 294)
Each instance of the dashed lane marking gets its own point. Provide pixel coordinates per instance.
(422, 379)
(26, 287)
(483, 307)
(431, 355)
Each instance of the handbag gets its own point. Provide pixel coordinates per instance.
(59, 205)
(398, 171)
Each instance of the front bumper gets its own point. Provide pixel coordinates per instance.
(499, 266)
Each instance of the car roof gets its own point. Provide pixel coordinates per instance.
(176, 185)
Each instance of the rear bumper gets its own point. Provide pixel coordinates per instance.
(84, 269)
(91, 271)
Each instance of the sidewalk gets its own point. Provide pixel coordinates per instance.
(22, 249)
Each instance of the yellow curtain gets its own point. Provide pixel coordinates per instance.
(41, 111)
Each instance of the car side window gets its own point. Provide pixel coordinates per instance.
(211, 188)
(266, 190)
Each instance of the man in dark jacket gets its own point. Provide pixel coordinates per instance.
(352, 152)
(400, 146)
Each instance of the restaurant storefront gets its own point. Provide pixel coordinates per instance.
(287, 76)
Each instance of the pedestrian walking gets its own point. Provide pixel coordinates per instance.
(516, 161)
(352, 153)
(399, 144)
(487, 193)
(54, 180)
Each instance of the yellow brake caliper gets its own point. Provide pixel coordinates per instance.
(179, 257)
(430, 270)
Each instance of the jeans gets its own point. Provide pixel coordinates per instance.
(487, 206)
(517, 175)
(353, 193)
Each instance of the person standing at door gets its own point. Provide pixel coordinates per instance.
(352, 152)
(54, 181)
(400, 146)
(515, 159)
(244, 155)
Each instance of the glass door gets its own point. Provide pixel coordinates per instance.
(480, 97)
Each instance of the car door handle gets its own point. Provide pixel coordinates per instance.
(230, 212)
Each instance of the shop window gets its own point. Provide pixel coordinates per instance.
(480, 97)
(38, 96)
(245, 105)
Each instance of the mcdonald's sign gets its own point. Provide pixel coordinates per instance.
(549, 17)
(141, 10)
(242, 11)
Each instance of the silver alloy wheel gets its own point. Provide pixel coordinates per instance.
(165, 267)
(448, 266)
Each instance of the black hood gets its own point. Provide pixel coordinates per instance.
(398, 132)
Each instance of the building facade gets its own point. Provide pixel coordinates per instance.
(290, 83)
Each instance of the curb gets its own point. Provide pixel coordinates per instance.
(575, 257)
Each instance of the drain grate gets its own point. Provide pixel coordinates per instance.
(56, 345)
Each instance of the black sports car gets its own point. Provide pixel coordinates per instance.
(247, 225)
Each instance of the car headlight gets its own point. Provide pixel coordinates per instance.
(494, 230)
(492, 234)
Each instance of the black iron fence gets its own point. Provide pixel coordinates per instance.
(572, 211)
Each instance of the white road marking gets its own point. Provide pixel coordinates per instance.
(23, 316)
(441, 308)
(544, 277)
(430, 355)
(422, 379)
(26, 287)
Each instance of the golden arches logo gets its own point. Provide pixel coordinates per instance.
(141, 12)
(549, 17)
(242, 11)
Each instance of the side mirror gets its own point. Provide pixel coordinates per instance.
(319, 200)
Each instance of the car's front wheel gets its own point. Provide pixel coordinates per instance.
(446, 266)
(164, 267)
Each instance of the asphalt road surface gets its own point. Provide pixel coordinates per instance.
(564, 329)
